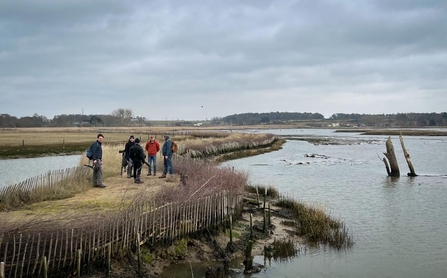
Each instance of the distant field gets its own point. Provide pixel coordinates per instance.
(34, 142)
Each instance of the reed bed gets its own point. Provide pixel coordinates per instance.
(316, 225)
(199, 179)
(210, 147)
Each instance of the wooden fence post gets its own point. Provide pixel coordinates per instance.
(109, 255)
(139, 254)
(2, 270)
(251, 225)
(78, 262)
(45, 267)
(231, 230)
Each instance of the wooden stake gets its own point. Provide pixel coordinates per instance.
(231, 230)
(407, 157)
(78, 263)
(2, 270)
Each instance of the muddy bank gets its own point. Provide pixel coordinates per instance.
(209, 250)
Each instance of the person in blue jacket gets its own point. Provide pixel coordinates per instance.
(97, 162)
(167, 157)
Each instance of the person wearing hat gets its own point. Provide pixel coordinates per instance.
(137, 155)
(167, 157)
(128, 162)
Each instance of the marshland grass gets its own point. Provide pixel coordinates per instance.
(316, 225)
(272, 192)
(282, 249)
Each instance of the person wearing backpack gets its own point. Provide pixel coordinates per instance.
(137, 155)
(152, 147)
(96, 155)
(128, 161)
(167, 157)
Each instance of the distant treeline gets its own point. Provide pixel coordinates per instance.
(379, 120)
(393, 120)
(124, 117)
(268, 118)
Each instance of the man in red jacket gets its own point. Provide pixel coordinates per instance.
(152, 147)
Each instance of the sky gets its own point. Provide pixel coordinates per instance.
(197, 60)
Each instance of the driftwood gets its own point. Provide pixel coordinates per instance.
(407, 157)
(391, 165)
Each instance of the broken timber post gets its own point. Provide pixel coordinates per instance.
(407, 157)
(391, 156)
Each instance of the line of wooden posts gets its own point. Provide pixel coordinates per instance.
(44, 181)
(68, 251)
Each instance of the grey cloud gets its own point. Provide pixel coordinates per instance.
(208, 51)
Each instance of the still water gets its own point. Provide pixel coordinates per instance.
(399, 226)
(13, 171)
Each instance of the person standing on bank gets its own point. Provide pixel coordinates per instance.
(167, 157)
(137, 155)
(97, 162)
(152, 147)
(129, 145)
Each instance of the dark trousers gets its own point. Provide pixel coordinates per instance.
(137, 170)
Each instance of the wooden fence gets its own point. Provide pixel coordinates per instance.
(67, 251)
(35, 188)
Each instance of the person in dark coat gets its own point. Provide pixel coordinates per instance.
(137, 155)
(97, 161)
(127, 160)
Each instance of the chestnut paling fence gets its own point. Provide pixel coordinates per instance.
(67, 251)
(36, 188)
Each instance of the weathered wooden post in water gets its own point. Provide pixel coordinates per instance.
(407, 157)
(391, 156)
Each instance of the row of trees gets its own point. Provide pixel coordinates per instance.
(269, 118)
(390, 120)
(119, 117)
(124, 117)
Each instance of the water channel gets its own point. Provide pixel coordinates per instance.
(399, 225)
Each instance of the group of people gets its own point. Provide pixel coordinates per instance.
(134, 158)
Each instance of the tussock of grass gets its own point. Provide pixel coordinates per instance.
(281, 249)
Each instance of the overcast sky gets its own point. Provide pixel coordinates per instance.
(195, 60)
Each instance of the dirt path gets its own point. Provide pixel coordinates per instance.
(119, 192)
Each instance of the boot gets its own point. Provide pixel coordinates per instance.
(149, 173)
(162, 176)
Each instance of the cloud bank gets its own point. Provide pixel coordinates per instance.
(194, 60)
